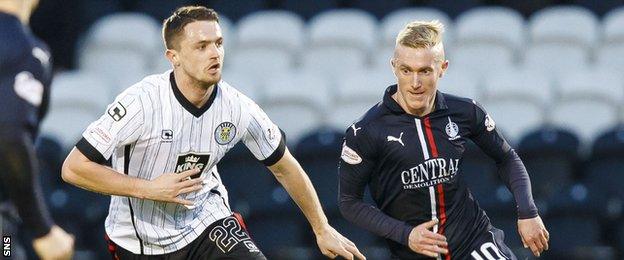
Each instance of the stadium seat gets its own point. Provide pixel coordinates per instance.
(515, 117)
(519, 84)
(603, 169)
(495, 25)
(460, 82)
(481, 58)
(356, 93)
(612, 24)
(77, 99)
(573, 25)
(556, 58)
(600, 84)
(109, 32)
(160, 9)
(308, 8)
(260, 63)
(245, 83)
(551, 157)
(392, 23)
(252, 189)
(333, 62)
(297, 102)
(570, 233)
(319, 154)
(236, 9)
(350, 28)
(379, 8)
(271, 29)
(381, 58)
(585, 117)
(610, 56)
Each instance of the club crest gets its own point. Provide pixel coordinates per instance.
(225, 133)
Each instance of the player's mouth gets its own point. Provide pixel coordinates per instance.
(214, 68)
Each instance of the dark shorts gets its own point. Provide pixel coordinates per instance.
(488, 245)
(224, 239)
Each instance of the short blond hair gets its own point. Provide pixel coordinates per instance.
(422, 34)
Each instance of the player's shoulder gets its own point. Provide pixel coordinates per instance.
(367, 124)
(458, 102)
(230, 92)
(148, 85)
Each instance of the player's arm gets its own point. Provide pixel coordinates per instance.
(515, 176)
(356, 166)
(120, 126)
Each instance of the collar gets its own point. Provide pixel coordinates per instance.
(392, 105)
(187, 105)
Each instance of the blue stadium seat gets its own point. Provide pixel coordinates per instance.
(160, 9)
(235, 9)
(252, 189)
(319, 154)
(604, 169)
(379, 8)
(551, 157)
(308, 8)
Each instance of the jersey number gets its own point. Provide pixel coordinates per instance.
(228, 235)
(486, 251)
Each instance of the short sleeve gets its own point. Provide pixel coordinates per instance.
(263, 137)
(121, 124)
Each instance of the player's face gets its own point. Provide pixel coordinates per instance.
(417, 72)
(201, 53)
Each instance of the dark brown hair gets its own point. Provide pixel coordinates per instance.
(174, 25)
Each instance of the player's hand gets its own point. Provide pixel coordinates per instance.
(333, 244)
(56, 245)
(423, 241)
(534, 234)
(169, 186)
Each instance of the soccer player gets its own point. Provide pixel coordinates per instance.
(25, 76)
(165, 136)
(408, 150)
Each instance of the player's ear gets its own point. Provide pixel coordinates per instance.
(444, 66)
(172, 56)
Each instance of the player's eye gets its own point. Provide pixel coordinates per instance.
(405, 71)
(201, 47)
(219, 44)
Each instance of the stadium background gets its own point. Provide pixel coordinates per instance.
(550, 73)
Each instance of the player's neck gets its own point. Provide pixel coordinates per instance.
(192, 90)
(419, 112)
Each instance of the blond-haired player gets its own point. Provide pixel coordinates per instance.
(408, 150)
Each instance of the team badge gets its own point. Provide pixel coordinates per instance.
(225, 132)
(452, 130)
(489, 123)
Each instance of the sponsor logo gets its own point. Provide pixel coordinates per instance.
(429, 173)
(101, 135)
(489, 123)
(396, 139)
(225, 133)
(6, 246)
(350, 156)
(41, 55)
(117, 111)
(192, 160)
(452, 130)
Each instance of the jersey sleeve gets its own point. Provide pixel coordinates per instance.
(511, 170)
(263, 137)
(120, 125)
(357, 164)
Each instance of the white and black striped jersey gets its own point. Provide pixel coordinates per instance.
(151, 129)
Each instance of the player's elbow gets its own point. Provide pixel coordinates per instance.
(345, 206)
(68, 170)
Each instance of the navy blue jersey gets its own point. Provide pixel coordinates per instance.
(25, 77)
(411, 165)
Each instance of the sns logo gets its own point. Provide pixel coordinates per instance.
(6, 246)
(190, 160)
